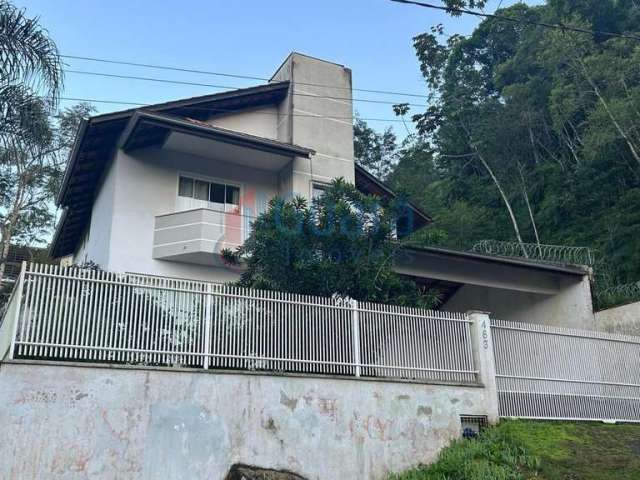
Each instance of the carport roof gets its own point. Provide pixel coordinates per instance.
(577, 270)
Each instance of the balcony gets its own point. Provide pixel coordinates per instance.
(198, 235)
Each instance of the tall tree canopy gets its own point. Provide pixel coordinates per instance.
(374, 151)
(535, 132)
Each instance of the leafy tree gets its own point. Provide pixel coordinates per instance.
(31, 170)
(342, 244)
(374, 151)
(33, 145)
(531, 134)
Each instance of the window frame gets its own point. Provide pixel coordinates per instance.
(210, 180)
(317, 183)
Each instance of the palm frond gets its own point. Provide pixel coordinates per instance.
(28, 56)
(23, 118)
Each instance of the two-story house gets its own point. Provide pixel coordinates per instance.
(162, 189)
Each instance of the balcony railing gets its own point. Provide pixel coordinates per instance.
(194, 236)
(71, 314)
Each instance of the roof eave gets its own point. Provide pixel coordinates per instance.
(175, 104)
(82, 129)
(56, 235)
(228, 136)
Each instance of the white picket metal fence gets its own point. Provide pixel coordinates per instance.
(83, 315)
(557, 373)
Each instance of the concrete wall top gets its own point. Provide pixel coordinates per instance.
(624, 319)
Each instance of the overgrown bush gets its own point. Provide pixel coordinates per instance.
(495, 455)
(343, 243)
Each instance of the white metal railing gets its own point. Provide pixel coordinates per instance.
(559, 373)
(96, 316)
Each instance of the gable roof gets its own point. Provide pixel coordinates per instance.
(100, 136)
(97, 140)
(101, 131)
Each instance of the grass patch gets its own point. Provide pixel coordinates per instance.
(524, 450)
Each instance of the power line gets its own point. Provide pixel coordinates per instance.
(209, 85)
(557, 26)
(224, 110)
(232, 75)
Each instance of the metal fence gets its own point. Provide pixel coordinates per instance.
(558, 373)
(94, 316)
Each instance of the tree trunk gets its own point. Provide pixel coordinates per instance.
(618, 127)
(8, 227)
(503, 195)
(526, 201)
(4, 252)
(532, 141)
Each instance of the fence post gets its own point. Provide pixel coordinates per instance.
(355, 335)
(19, 287)
(484, 360)
(208, 310)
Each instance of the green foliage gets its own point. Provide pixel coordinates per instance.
(30, 73)
(30, 80)
(31, 169)
(374, 151)
(340, 244)
(495, 455)
(523, 450)
(555, 117)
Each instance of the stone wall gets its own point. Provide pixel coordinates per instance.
(63, 421)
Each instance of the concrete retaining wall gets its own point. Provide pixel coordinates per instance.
(624, 319)
(72, 422)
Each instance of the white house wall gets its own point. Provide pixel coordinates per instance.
(144, 184)
(317, 122)
(140, 185)
(96, 242)
(262, 122)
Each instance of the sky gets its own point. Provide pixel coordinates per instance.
(246, 37)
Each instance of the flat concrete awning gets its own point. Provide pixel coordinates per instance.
(465, 268)
(515, 289)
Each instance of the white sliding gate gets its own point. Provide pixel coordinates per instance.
(558, 373)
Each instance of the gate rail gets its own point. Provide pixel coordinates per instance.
(556, 373)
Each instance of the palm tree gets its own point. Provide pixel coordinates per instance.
(28, 56)
(30, 70)
(31, 79)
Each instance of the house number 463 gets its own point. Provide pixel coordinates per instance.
(485, 335)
